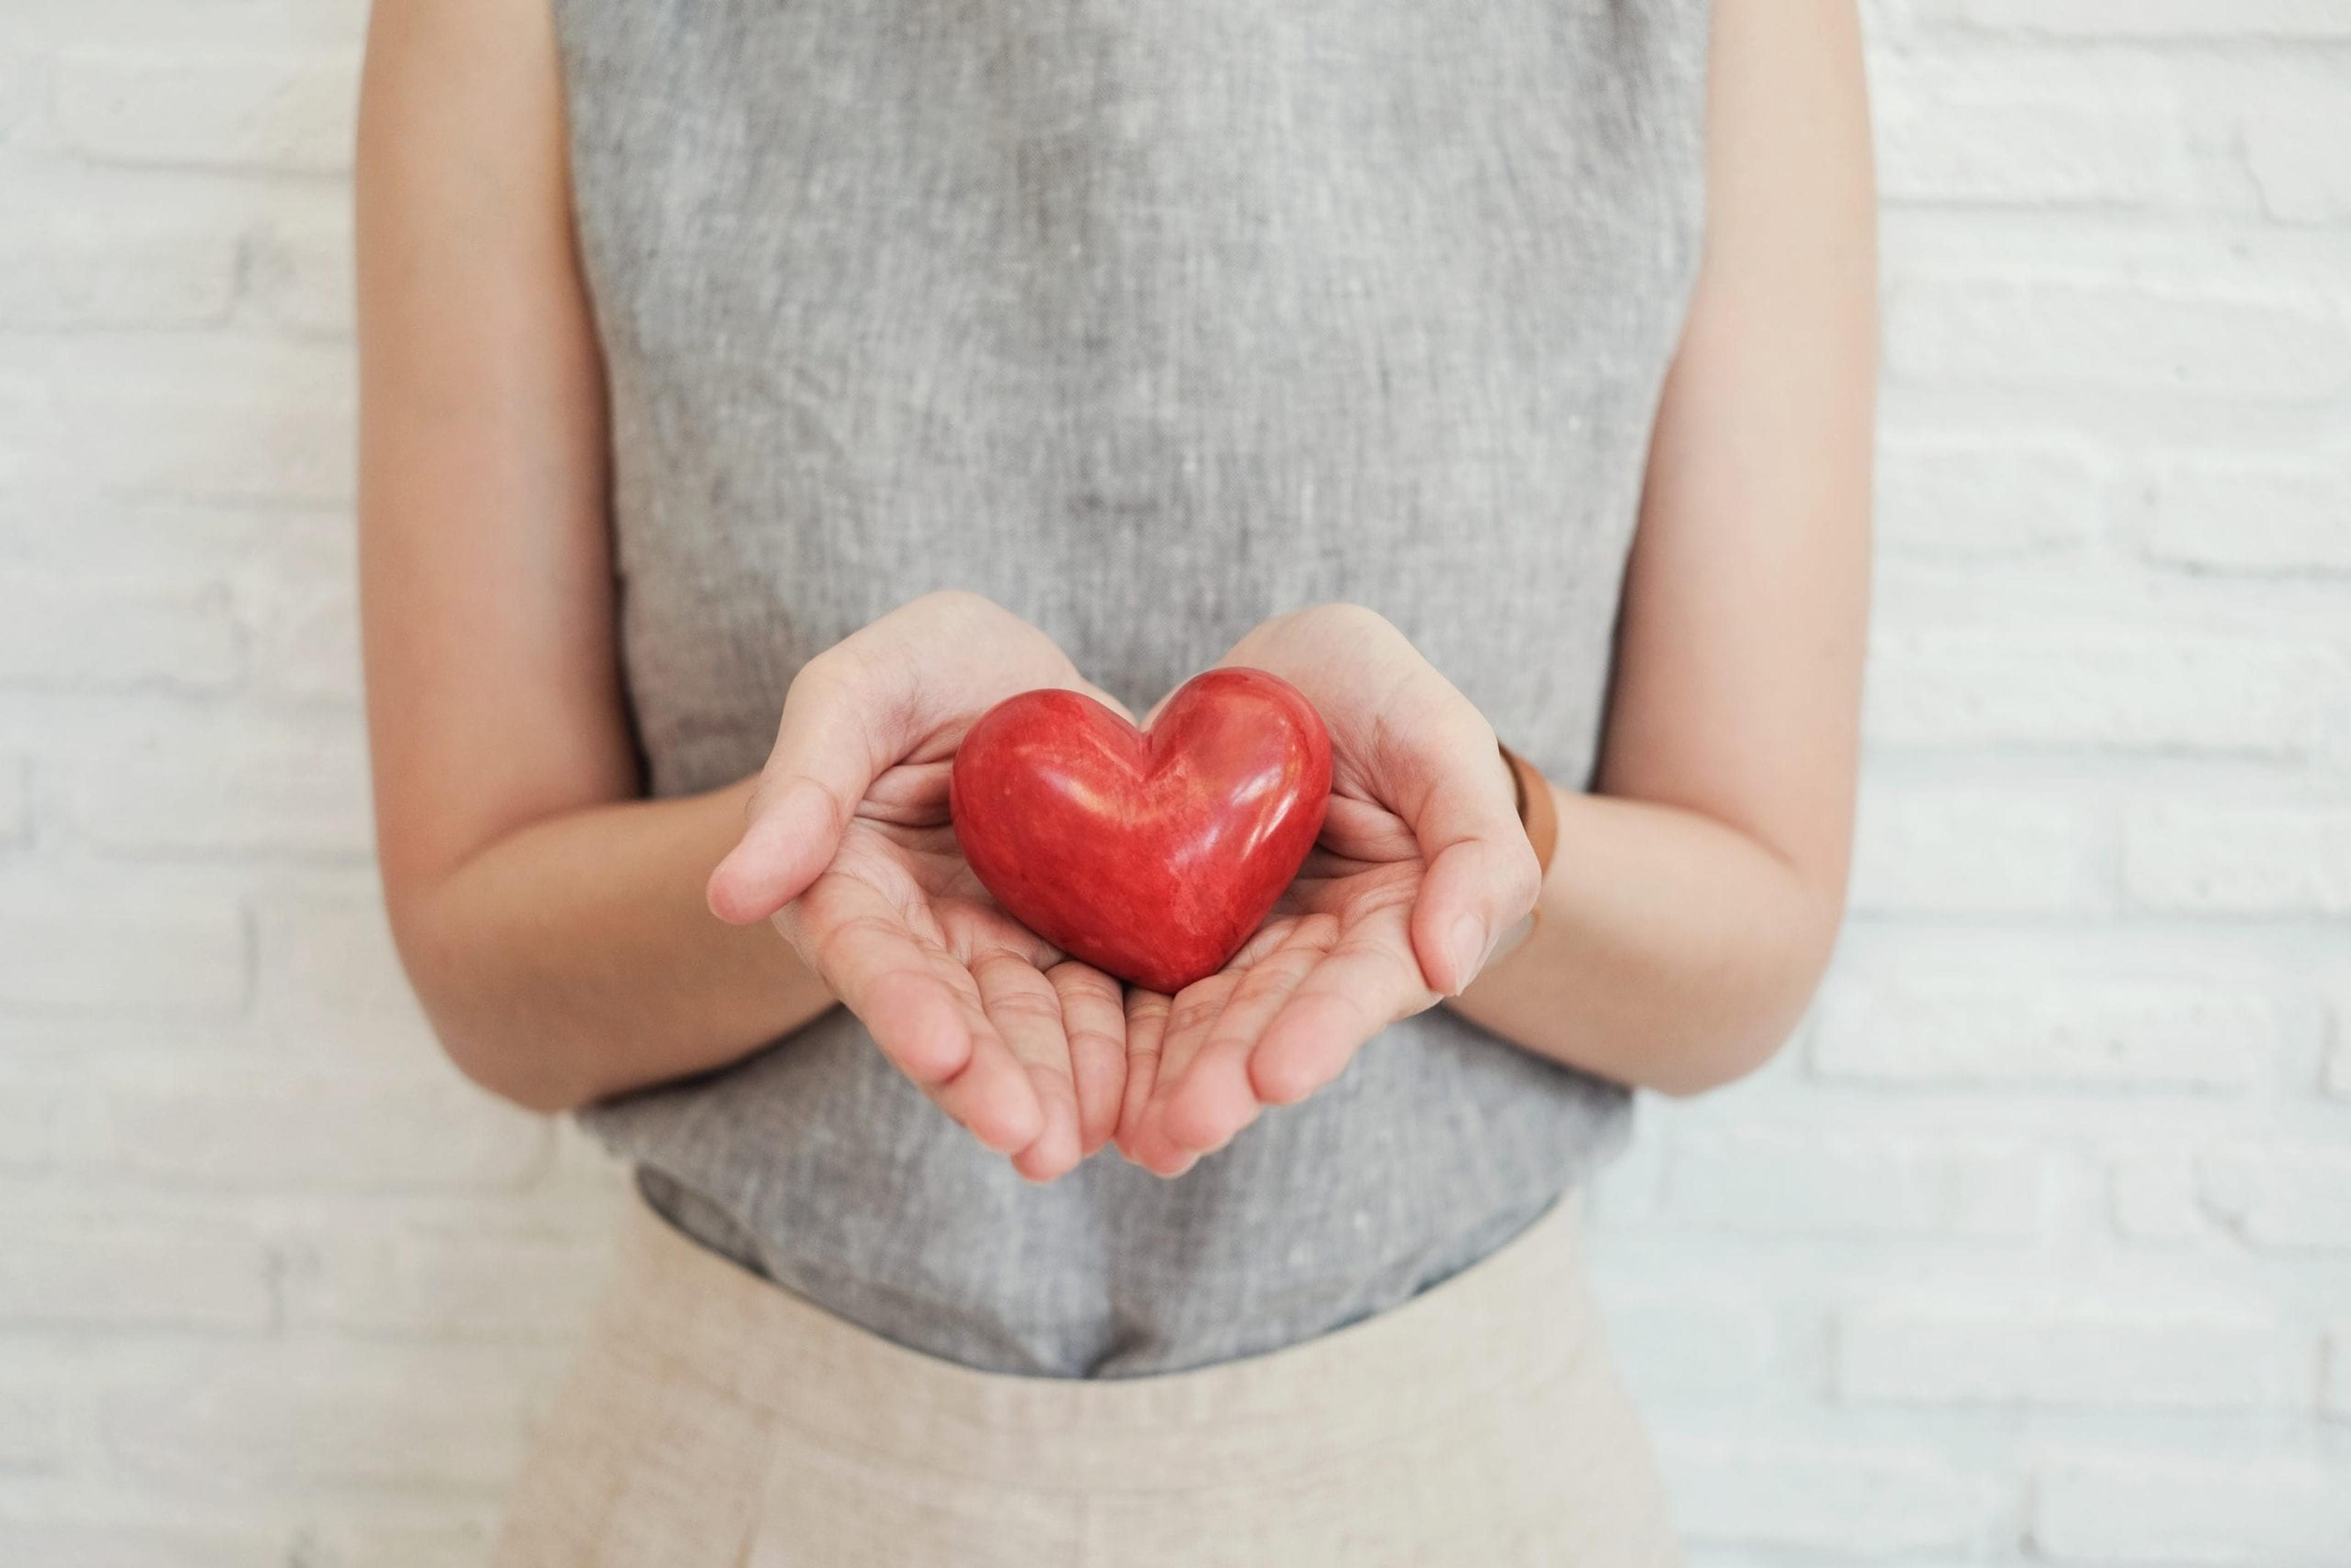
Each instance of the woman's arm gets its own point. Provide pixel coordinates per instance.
(1694, 896)
(553, 925)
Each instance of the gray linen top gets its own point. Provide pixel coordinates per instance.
(1147, 321)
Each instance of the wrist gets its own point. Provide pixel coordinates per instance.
(1537, 811)
(1538, 815)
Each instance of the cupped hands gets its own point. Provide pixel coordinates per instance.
(1420, 870)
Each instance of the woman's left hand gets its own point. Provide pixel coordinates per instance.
(1421, 869)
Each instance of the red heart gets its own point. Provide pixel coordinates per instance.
(1150, 854)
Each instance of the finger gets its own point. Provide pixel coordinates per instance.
(1215, 1098)
(1193, 1010)
(1356, 833)
(1025, 1011)
(909, 795)
(1482, 877)
(1146, 1029)
(1422, 749)
(1093, 1015)
(909, 683)
(1363, 984)
(1183, 1025)
(921, 1007)
(839, 730)
(1190, 1014)
(1468, 898)
(1154, 1151)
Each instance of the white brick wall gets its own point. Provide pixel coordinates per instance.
(2036, 1247)
(2124, 1505)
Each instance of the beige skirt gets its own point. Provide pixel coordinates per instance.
(713, 1418)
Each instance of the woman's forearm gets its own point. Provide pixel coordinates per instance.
(575, 958)
(1680, 942)
(1672, 952)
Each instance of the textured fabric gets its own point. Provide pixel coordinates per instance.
(713, 1419)
(1147, 321)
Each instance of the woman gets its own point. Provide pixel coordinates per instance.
(1500, 369)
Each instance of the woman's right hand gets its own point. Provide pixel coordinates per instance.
(849, 851)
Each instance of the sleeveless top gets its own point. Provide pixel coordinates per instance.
(1149, 322)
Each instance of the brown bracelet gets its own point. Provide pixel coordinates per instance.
(1537, 811)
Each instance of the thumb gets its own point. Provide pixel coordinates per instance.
(1482, 878)
(827, 755)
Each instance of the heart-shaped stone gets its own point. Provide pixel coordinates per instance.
(1152, 854)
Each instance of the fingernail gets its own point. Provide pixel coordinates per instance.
(1469, 950)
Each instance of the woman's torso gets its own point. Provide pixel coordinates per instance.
(1146, 322)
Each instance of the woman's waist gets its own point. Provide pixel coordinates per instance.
(1514, 1318)
(817, 1167)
